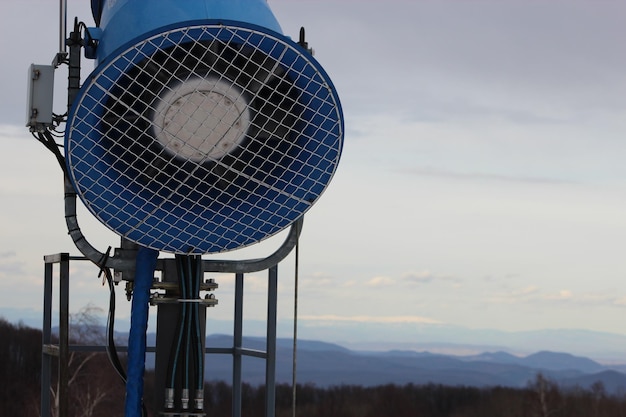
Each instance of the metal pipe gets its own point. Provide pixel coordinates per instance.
(62, 25)
(294, 386)
(46, 336)
(77, 236)
(270, 361)
(237, 345)
(64, 334)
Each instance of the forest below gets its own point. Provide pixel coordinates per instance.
(96, 390)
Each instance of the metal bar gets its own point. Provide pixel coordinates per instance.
(54, 259)
(294, 367)
(221, 351)
(64, 334)
(59, 257)
(237, 345)
(209, 350)
(253, 353)
(99, 348)
(62, 24)
(270, 364)
(46, 338)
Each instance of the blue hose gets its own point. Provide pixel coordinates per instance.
(144, 275)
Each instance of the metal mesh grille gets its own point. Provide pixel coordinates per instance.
(204, 139)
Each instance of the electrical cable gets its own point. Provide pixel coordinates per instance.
(172, 365)
(110, 340)
(198, 274)
(186, 360)
(175, 352)
(187, 346)
(48, 141)
(110, 345)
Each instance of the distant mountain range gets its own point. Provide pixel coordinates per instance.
(502, 359)
(436, 338)
(327, 364)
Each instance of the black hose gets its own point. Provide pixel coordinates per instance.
(186, 305)
(198, 274)
(175, 351)
(110, 346)
(186, 361)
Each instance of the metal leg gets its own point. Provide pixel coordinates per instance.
(237, 345)
(46, 358)
(270, 364)
(61, 351)
(64, 327)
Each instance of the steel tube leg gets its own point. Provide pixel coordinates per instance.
(64, 329)
(237, 345)
(46, 336)
(270, 365)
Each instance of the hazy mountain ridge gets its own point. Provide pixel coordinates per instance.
(602, 346)
(326, 364)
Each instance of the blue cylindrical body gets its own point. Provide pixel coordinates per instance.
(124, 20)
(120, 162)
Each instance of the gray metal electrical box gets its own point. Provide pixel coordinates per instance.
(40, 92)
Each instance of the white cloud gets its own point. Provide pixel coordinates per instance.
(562, 295)
(426, 276)
(7, 254)
(535, 296)
(380, 281)
(516, 295)
(370, 319)
(10, 267)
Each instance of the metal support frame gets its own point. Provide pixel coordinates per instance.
(238, 351)
(61, 350)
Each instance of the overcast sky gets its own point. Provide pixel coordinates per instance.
(482, 182)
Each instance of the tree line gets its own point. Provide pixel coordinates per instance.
(95, 390)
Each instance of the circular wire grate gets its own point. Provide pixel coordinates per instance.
(204, 138)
